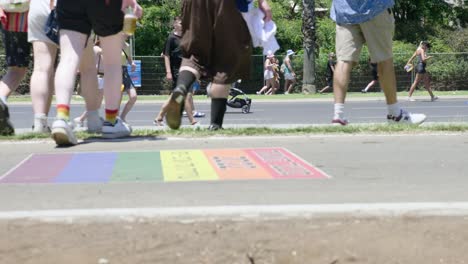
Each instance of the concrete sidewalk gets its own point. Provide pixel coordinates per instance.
(389, 199)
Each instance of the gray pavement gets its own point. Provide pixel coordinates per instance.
(363, 169)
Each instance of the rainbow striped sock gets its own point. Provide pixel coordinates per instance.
(111, 115)
(63, 112)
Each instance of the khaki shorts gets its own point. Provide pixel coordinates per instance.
(376, 33)
(216, 40)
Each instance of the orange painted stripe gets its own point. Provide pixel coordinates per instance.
(235, 164)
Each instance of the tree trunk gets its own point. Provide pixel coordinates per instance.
(308, 31)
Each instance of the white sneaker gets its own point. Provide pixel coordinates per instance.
(62, 133)
(94, 122)
(78, 123)
(411, 99)
(407, 118)
(117, 130)
(40, 125)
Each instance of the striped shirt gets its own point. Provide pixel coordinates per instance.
(16, 22)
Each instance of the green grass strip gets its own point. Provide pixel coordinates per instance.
(201, 132)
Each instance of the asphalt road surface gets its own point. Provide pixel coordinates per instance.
(291, 112)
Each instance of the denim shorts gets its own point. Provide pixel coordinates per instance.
(17, 48)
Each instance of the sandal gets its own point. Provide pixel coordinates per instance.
(158, 122)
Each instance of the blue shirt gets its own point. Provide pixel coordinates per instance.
(243, 5)
(358, 11)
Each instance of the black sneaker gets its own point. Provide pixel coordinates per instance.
(6, 128)
(175, 107)
(214, 127)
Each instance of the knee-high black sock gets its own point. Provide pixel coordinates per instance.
(185, 80)
(218, 108)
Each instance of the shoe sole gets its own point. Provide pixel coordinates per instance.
(6, 128)
(175, 108)
(61, 138)
(116, 135)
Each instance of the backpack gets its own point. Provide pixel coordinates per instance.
(283, 67)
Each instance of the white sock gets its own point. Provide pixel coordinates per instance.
(339, 111)
(40, 116)
(394, 109)
(4, 99)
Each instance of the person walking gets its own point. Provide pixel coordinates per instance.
(172, 60)
(375, 76)
(369, 22)
(77, 19)
(128, 86)
(289, 74)
(268, 74)
(14, 21)
(216, 43)
(330, 71)
(421, 73)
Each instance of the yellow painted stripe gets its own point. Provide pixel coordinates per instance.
(186, 165)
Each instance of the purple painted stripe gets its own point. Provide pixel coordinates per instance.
(38, 169)
(88, 167)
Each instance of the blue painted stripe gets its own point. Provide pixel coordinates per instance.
(88, 167)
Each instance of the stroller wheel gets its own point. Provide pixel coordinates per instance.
(246, 109)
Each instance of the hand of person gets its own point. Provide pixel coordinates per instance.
(133, 66)
(428, 57)
(3, 18)
(137, 9)
(263, 5)
(169, 76)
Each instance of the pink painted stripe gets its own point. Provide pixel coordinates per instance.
(38, 169)
(282, 164)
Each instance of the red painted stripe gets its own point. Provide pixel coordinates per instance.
(282, 164)
(38, 169)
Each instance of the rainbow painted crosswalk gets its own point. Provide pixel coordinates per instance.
(165, 165)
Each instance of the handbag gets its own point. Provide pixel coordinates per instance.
(51, 28)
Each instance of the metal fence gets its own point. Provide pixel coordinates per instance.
(448, 71)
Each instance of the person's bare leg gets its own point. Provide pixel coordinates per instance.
(88, 79)
(427, 85)
(111, 51)
(132, 98)
(11, 80)
(341, 80)
(71, 51)
(43, 73)
(387, 79)
(188, 107)
(415, 83)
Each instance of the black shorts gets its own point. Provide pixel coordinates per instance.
(126, 79)
(17, 48)
(421, 68)
(102, 16)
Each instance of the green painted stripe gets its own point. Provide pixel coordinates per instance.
(137, 166)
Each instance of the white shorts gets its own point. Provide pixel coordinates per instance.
(39, 10)
(289, 76)
(268, 75)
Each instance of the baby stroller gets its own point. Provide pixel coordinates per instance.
(238, 99)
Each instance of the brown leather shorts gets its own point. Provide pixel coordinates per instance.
(216, 40)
